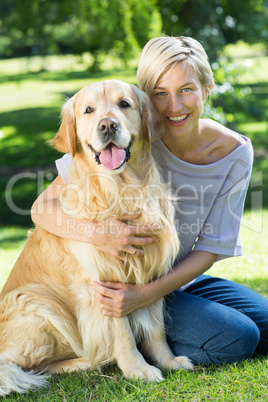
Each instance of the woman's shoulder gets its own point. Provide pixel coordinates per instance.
(224, 140)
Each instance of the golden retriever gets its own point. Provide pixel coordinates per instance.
(50, 319)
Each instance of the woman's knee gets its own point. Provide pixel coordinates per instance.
(209, 332)
(240, 343)
(235, 342)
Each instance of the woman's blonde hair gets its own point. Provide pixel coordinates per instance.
(160, 54)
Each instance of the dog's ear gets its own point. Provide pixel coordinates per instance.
(66, 140)
(152, 122)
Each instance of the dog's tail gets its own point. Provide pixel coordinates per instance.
(14, 379)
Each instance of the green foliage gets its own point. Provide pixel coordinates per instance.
(216, 22)
(62, 26)
(27, 26)
(47, 27)
(229, 98)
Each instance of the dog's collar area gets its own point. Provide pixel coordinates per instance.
(127, 153)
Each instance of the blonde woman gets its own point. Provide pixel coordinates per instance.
(211, 320)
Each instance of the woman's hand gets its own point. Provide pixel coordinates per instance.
(117, 237)
(118, 300)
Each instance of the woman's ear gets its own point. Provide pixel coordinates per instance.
(66, 140)
(208, 91)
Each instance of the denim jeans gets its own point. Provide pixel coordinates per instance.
(215, 320)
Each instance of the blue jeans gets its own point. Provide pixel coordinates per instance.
(215, 320)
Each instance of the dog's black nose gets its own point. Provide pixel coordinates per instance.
(108, 125)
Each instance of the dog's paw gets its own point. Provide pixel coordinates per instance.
(68, 365)
(81, 364)
(148, 373)
(180, 362)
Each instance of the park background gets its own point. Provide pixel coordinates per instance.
(49, 49)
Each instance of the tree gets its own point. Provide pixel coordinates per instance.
(49, 26)
(64, 26)
(102, 25)
(216, 22)
(27, 26)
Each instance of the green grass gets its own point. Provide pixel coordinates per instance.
(242, 382)
(250, 57)
(250, 269)
(245, 381)
(12, 241)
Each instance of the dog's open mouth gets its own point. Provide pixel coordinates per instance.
(112, 157)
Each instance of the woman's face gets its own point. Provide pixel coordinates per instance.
(179, 97)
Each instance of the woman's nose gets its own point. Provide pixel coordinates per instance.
(175, 103)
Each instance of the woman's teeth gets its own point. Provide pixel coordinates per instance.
(178, 118)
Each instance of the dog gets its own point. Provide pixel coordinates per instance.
(50, 319)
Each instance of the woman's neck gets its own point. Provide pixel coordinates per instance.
(210, 143)
(185, 145)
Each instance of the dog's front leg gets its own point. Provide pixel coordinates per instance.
(129, 359)
(157, 348)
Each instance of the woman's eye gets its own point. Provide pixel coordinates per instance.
(186, 90)
(124, 104)
(162, 93)
(89, 110)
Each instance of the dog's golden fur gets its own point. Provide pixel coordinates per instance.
(50, 319)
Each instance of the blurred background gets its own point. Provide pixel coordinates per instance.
(49, 49)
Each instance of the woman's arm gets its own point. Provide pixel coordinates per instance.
(113, 235)
(117, 299)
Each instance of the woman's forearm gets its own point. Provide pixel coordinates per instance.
(49, 216)
(195, 264)
(114, 235)
(47, 213)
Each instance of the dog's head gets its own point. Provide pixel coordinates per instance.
(106, 121)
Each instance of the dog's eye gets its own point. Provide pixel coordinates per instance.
(89, 110)
(124, 104)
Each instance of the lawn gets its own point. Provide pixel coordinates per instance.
(32, 92)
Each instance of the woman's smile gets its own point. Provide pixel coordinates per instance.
(178, 120)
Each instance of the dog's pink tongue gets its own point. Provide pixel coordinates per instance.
(112, 157)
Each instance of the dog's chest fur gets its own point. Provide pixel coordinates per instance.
(103, 196)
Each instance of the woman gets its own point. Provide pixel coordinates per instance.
(211, 320)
